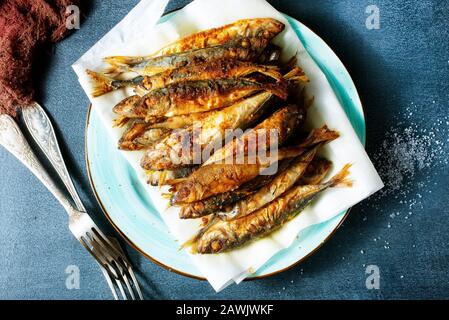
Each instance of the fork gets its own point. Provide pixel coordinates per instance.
(43, 133)
(112, 260)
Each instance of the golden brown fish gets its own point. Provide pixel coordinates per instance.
(242, 49)
(279, 126)
(226, 235)
(217, 69)
(218, 202)
(195, 96)
(182, 147)
(217, 178)
(260, 27)
(282, 182)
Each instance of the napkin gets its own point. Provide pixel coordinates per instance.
(137, 34)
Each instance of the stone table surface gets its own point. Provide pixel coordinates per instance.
(402, 73)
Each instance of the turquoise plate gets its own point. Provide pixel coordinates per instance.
(126, 204)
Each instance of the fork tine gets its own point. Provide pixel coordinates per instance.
(120, 287)
(128, 285)
(110, 249)
(109, 281)
(99, 255)
(135, 282)
(120, 265)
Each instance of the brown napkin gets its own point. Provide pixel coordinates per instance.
(26, 26)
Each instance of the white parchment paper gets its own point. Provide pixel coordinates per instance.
(137, 34)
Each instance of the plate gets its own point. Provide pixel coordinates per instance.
(129, 209)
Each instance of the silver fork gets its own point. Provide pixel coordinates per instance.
(110, 257)
(41, 129)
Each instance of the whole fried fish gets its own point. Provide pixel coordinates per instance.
(215, 69)
(218, 202)
(315, 173)
(226, 235)
(195, 96)
(242, 49)
(218, 178)
(282, 123)
(281, 183)
(259, 27)
(182, 146)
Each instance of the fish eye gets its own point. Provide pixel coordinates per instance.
(245, 43)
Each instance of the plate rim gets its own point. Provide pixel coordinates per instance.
(171, 269)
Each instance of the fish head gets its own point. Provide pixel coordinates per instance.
(217, 239)
(129, 107)
(270, 28)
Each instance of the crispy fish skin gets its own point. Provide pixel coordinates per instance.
(281, 183)
(199, 96)
(216, 203)
(314, 174)
(215, 69)
(242, 49)
(284, 121)
(182, 121)
(226, 235)
(202, 71)
(127, 108)
(265, 27)
(177, 149)
(217, 178)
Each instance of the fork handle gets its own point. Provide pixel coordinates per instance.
(42, 131)
(12, 138)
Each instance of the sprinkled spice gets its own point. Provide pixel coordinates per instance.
(406, 161)
(26, 26)
(405, 158)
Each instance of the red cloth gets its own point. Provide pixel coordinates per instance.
(25, 27)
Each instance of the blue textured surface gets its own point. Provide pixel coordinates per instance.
(404, 63)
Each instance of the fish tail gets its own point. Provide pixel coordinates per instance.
(341, 179)
(323, 134)
(114, 71)
(124, 61)
(271, 71)
(279, 89)
(102, 84)
(120, 64)
(294, 72)
(296, 75)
